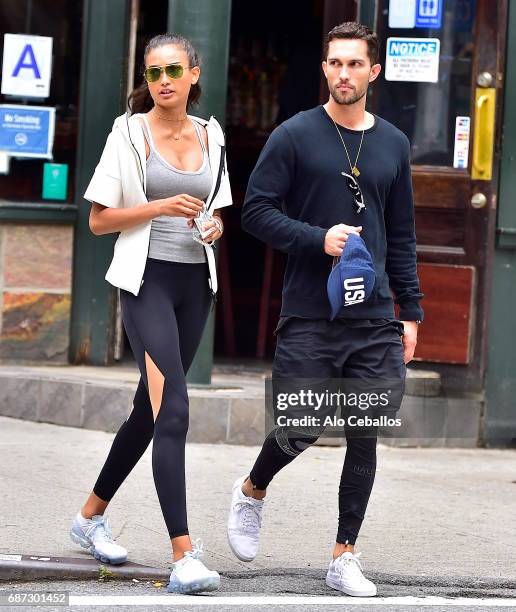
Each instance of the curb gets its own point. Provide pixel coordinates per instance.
(37, 567)
(231, 411)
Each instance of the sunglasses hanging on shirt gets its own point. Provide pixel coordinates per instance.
(351, 179)
(354, 187)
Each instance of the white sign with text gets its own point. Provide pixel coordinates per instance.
(412, 59)
(461, 149)
(27, 65)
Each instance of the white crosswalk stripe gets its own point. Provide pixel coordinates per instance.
(203, 600)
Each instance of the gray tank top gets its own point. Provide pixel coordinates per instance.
(170, 237)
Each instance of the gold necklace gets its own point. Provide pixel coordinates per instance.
(180, 132)
(354, 170)
(170, 119)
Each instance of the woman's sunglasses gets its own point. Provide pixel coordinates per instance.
(173, 71)
(353, 186)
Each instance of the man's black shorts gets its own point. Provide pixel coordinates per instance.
(369, 351)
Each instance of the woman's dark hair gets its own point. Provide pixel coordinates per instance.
(140, 100)
(354, 30)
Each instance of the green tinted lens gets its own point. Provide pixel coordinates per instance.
(174, 71)
(152, 74)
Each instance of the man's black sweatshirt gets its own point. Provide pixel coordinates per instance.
(296, 193)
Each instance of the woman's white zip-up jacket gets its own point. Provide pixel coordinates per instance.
(120, 181)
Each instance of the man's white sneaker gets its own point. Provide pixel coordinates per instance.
(244, 522)
(190, 575)
(95, 535)
(345, 574)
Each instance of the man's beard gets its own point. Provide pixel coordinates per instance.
(347, 98)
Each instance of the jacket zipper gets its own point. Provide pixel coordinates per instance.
(139, 168)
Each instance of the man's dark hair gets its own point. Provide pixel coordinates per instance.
(354, 30)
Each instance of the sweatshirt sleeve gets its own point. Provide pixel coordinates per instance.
(269, 184)
(105, 186)
(401, 264)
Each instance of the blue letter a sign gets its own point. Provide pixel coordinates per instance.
(30, 62)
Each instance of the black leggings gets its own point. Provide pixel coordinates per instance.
(356, 481)
(165, 321)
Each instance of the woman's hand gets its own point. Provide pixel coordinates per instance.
(216, 234)
(182, 205)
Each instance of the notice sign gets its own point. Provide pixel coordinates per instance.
(27, 131)
(27, 65)
(460, 153)
(412, 59)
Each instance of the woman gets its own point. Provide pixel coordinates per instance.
(167, 281)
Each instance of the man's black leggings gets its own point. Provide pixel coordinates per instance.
(356, 480)
(166, 321)
(317, 350)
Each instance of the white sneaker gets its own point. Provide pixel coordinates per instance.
(96, 536)
(190, 575)
(345, 574)
(244, 522)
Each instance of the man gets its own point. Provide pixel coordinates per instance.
(324, 174)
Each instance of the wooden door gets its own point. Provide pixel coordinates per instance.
(455, 197)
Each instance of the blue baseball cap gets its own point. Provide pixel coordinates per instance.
(352, 280)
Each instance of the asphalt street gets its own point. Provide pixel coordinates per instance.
(440, 524)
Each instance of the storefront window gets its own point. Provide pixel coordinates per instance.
(62, 21)
(274, 72)
(426, 110)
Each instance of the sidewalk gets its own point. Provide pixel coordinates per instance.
(434, 515)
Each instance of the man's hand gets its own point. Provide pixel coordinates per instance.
(409, 340)
(336, 237)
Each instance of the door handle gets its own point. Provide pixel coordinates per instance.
(483, 139)
(479, 200)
